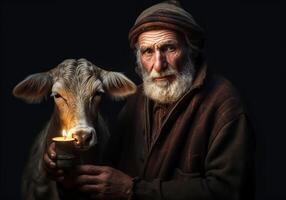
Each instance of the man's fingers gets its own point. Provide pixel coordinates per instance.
(91, 169)
(50, 165)
(87, 179)
(52, 151)
(91, 188)
(48, 162)
(51, 168)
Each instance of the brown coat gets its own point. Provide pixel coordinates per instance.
(204, 149)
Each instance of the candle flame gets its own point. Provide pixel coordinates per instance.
(64, 133)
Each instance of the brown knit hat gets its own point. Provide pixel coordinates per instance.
(168, 15)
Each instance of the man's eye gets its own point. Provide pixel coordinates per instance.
(148, 52)
(171, 48)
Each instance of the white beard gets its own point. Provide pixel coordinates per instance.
(167, 91)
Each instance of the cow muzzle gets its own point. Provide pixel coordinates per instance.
(85, 137)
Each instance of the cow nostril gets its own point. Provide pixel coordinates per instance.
(76, 140)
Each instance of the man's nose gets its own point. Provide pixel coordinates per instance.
(160, 62)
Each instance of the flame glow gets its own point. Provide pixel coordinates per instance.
(64, 133)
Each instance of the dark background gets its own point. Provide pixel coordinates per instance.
(244, 44)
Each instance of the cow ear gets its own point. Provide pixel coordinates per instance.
(116, 84)
(34, 88)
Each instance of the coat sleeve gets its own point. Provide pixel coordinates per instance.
(228, 169)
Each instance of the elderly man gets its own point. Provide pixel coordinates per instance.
(184, 135)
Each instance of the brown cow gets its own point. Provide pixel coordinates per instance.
(76, 86)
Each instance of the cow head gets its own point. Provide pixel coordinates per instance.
(76, 87)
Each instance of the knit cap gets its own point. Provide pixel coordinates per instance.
(168, 15)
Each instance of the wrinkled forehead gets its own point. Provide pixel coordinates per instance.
(157, 38)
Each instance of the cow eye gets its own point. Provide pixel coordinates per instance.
(56, 95)
(96, 95)
(99, 93)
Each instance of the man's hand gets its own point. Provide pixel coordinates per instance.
(103, 182)
(54, 173)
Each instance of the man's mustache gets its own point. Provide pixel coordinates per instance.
(154, 74)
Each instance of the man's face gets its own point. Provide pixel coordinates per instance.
(165, 64)
(159, 50)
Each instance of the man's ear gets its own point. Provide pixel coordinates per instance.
(116, 84)
(34, 88)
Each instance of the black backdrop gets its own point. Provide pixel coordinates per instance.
(244, 44)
